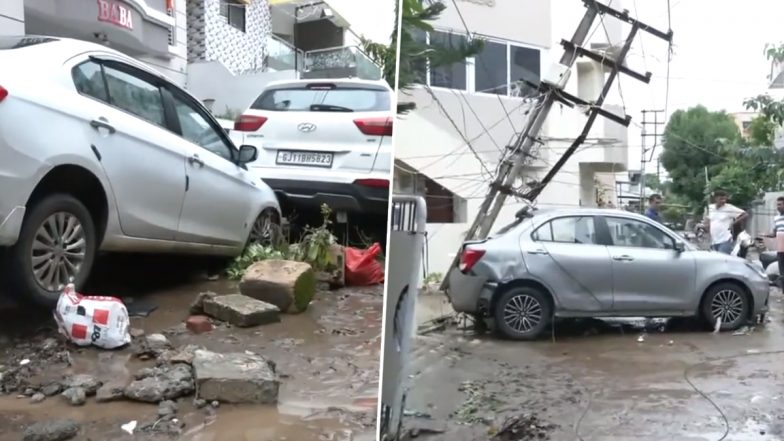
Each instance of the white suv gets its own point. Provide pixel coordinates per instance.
(100, 152)
(323, 141)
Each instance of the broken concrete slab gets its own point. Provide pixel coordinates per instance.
(235, 378)
(56, 430)
(286, 284)
(182, 355)
(240, 310)
(154, 385)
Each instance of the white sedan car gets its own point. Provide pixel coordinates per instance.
(100, 152)
(323, 141)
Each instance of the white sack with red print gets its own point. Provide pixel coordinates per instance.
(92, 320)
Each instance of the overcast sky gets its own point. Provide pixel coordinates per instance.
(373, 19)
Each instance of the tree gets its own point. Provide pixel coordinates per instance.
(414, 52)
(693, 140)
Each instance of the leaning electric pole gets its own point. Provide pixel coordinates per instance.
(656, 123)
(552, 90)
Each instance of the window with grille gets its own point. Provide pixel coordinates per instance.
(234, 13)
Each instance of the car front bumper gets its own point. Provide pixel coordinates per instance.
(760, 291)
(338, 196)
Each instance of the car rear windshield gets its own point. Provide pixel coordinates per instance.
(8, 43)
(324, 98)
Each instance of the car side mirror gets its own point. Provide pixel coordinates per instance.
(680, 246)
(248, 153)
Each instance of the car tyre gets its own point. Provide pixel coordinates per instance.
(522, 313)
(728, 300)
(266, 229)
(61, 228)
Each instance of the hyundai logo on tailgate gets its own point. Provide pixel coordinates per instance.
(306, 127)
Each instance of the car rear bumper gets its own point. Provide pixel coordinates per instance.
(760, 291)
(467, 290)
(338, 196)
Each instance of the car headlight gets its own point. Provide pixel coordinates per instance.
(758, 270)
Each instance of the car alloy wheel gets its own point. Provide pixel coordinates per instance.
(265, 229)
(522, 313)
(58, 251)
(728, 305)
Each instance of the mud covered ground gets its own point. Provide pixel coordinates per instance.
(328, 359)
(596, 381)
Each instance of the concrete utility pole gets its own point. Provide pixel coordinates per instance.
(520, 151)
(644, 151)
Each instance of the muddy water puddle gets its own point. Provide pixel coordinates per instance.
(328, 359)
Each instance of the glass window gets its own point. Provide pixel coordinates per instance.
(197, 129)
(88, 79)
(135, 95)
(633, 233)
(234, 13)
(491, 67)
(419, 66)
(452, 76)
(568, 230)
(324, 99)
(525, 63)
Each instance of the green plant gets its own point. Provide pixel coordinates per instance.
(433, 278)
(229, 114)
(314, 249)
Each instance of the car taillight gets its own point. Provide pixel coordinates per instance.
(249, 123)
(376, 183)
(469, 258)
(375, 126)
(3, 93)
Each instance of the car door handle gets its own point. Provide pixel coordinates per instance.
(538, 251)
(196, 160)
(624, 258)
(101, 123)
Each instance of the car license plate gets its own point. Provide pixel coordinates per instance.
(310, 159)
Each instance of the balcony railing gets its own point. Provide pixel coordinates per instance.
(281, 55)
(338, 62)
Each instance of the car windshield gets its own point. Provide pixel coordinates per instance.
(8, 43)
(324, 98)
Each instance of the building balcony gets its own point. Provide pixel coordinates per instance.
(340, 62)
(281, 55)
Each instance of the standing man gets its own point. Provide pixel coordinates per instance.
(778, 233)
(722, 217)
(652, 212)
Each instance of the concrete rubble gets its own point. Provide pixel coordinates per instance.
(235, 378)
(112, 391)
(56, 430)
(153, 385)
(88, 383)
(240, 310)
(286, 284)
(75, 396)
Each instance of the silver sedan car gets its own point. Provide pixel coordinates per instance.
(599, 263)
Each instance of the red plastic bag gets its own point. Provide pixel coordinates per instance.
(362, 268)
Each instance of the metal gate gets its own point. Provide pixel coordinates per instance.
(406, 243)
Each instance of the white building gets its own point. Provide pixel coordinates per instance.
(523, 40)
(224, 51)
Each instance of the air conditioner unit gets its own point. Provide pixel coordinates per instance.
(557, 76)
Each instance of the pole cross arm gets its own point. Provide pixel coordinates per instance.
(624, 16)
(606, 61)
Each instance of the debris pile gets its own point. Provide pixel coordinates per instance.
(523, 428)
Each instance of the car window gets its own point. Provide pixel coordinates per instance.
(197, 129)
(324, 98)
(88, 79)
(634, 233)
(575, 229)
(135, 95)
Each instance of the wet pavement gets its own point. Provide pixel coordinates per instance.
(328, 359)
(596, 380)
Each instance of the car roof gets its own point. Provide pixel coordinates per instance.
(47, 50)
(356, 81)
(586, 211)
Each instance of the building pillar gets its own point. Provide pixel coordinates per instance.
(12, 20)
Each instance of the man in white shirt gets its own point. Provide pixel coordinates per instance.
(722, 216)
(778, 233)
